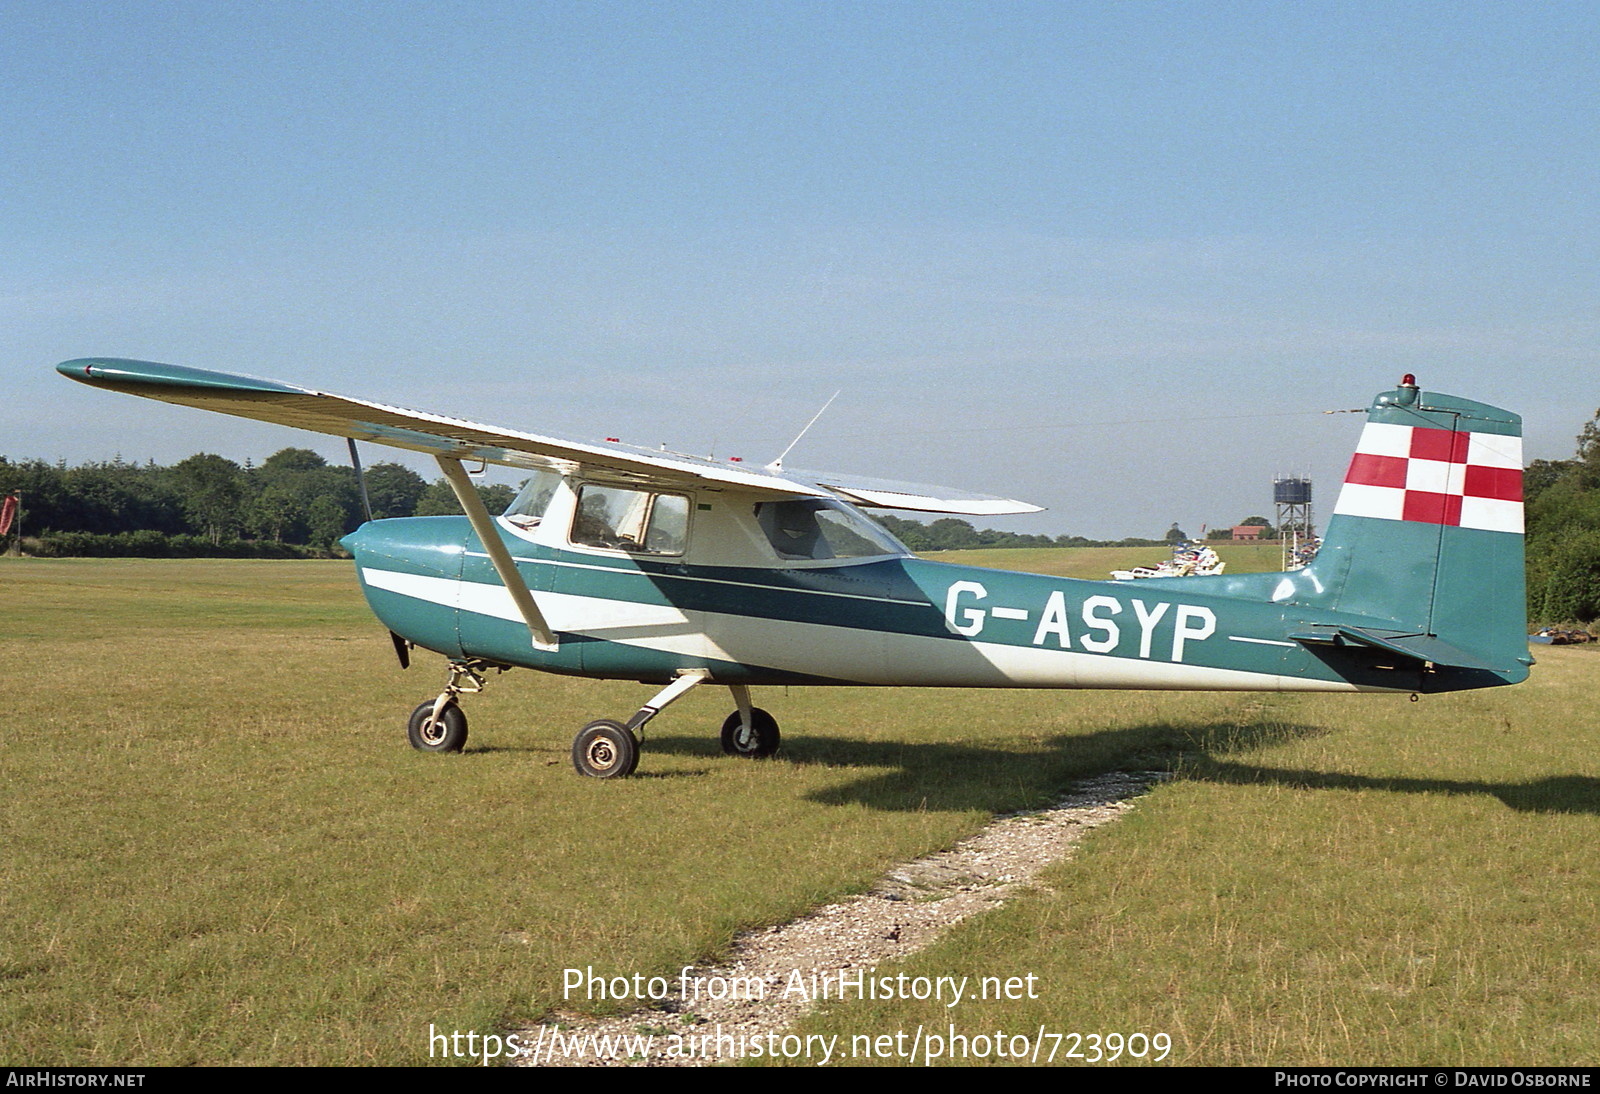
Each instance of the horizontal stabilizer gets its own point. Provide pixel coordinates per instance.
(1417, 647)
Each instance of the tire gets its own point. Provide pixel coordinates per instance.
(763, 739)
(605, 750)
(449, 733)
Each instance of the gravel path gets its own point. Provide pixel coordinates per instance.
(906, 910)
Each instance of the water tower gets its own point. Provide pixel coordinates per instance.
(1292, 496)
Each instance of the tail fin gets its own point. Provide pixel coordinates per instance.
(1427, 538)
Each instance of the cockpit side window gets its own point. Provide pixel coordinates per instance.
(636, 521)
(669, 525)
(817, 528)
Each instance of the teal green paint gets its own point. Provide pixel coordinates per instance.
(1382, 597)
(1405, 406)
(122, 374)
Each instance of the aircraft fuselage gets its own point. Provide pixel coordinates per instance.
(888, 621)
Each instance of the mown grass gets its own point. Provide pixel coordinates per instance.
(217, 847)
(1327, 881)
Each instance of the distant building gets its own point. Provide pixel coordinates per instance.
(1247, 533)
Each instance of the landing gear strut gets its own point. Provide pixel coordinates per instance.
(609, 749)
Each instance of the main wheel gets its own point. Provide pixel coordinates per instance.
(447, 734)
(605, 750)
(758, 743)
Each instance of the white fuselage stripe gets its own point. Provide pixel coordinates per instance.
(844, 653)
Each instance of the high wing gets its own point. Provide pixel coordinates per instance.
(322, 412)
(888, 494)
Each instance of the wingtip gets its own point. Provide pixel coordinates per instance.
(124, 372)
(79, 368)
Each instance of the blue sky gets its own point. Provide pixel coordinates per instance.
(1113, 258)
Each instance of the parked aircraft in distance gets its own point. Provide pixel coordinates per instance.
(627, 563)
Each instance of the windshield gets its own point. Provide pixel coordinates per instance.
(527, 510)
(816, 528)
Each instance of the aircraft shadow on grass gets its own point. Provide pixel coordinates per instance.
(961, 777)
(1551, 794)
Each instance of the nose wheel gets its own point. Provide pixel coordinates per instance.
(438, 725)
(433, 729)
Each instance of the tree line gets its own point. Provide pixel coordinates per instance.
(1562, 499)
(293, 504)
(296, 504)
(954, 534)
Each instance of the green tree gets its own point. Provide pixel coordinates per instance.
(285, 494)
(1562, 511)
(1589, 442)
(123, 497)
(439, 500)
(292, 461)
(273, 511)
(953, 534)
(394, 490)
(46, 505)
(1543, 474)
(326, 521)
(1564, 578)
(211, 490)
(913, 533)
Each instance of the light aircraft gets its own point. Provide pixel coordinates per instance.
(627, 563)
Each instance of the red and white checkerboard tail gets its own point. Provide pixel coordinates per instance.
(1458, 478)
(1427, 531)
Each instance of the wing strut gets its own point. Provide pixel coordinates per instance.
(543, 637)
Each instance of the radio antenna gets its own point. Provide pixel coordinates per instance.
(777, 464)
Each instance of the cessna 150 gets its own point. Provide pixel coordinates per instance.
(626, 563)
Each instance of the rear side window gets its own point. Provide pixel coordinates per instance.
(815, 528)
(637, 521)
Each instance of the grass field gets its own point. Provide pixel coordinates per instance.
(217, 847)
(1096, 563)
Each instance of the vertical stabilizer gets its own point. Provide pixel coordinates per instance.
(1427, 533)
